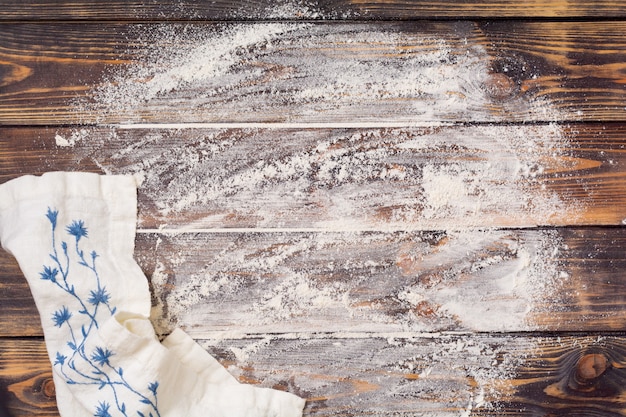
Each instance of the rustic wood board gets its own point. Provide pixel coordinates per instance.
(260, 282)
(318, 9)
(442, 375)
(401, 208)
(356, 179)
(383, 72)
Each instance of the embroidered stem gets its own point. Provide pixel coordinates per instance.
(97, 369)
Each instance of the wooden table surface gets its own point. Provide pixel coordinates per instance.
(392, 208)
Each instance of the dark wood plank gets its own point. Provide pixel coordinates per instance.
(586, 377)
(370, 72)
(26, 378)
(220, 283)
(31, 151)
(444, 375)
(358, 179)
(18, 313)
(318, 9)
(559, 280)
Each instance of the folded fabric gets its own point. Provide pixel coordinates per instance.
(73, 237)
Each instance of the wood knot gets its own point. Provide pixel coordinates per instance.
(590, 367)
(500, 87)
(590, 372)
(47, 388)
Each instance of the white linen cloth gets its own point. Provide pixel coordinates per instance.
(73, 237)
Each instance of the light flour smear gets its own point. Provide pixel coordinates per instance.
(425, 177)
(305, 73)
(397, 168)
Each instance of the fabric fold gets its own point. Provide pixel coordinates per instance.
(73, 237)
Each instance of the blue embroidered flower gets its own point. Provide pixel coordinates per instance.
(52, 216)
(61, 316)
(99, 296)
(102, 410)
(153, 387)
(87, 320)
(77, 229)
(60, 359)
(101, 356)
(49, 274)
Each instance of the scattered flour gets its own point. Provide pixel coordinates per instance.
(446, 376)
(486, 281)
(75, 136)
(416, 178)
(342, 181)
(294, 9)
(473, 280)
(300, 72)
(382, 179)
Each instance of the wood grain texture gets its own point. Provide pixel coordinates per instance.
(570, 280)
(318, 9)
(357, 179)
(27, 381)
(370, 72)
(443, 375)
(395, 208)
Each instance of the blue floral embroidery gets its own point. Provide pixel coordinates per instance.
(77, 229)
(102, 410)
(102, 373)
(101, 356)
(61, 316)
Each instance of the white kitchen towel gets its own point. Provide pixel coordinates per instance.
(73, 237)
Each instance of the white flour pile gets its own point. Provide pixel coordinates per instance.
(367, 188)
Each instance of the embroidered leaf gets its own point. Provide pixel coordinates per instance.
(64, 246)
(141, 414)
(101, 356)
(83, 331)
(61, 316)
(72, 346)
(120, 371)
(102, 385)
(77, 229)
(123, 408)
(145, 401)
